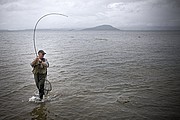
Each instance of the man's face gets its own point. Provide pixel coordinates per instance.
(41, 55)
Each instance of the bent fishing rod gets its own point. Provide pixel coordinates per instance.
(48, 86)
(34, 34)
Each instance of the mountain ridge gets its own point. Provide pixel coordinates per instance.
(102, 28)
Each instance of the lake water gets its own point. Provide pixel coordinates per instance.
(95, 75)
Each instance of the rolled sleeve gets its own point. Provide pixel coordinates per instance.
(32, 65)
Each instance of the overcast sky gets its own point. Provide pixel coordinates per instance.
(23, 14)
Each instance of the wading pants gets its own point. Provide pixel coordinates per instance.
(40, 79)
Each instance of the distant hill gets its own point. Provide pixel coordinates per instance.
(102, 28)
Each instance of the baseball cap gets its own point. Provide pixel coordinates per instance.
(41, 51)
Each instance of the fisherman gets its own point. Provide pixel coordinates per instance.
(40, 65)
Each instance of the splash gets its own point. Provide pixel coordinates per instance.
(35, 98)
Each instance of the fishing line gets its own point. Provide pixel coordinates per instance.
(47, 86)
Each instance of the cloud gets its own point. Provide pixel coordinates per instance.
(21, 14)
(145, 13)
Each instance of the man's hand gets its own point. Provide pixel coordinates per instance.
(37, 59)
(40, 61)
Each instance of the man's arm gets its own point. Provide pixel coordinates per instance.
(45, 63)
(34, 62)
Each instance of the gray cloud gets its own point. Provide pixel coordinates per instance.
(21, 14)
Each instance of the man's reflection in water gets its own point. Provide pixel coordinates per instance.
(40, 112)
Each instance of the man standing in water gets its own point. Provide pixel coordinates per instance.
(40, 65)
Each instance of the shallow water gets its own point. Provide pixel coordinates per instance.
(95, 75)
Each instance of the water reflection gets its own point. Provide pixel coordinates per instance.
(40, 112)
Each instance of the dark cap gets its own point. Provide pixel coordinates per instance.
(41, 51)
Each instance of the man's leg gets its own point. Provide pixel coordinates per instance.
(36, 77)
(41, 85)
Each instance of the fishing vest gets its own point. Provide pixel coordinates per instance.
(38, 68)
